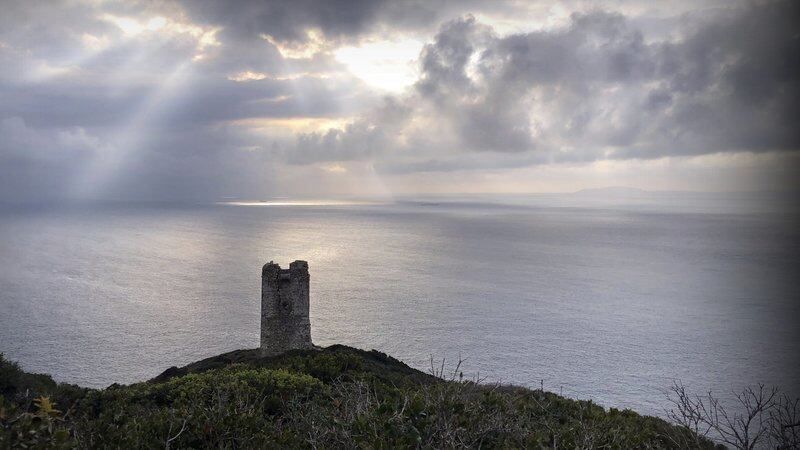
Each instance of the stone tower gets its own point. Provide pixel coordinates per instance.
(284, 308)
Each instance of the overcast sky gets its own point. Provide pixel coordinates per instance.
(206, 100)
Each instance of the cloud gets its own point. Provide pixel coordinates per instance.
(37, 164)
(594, 89)
(203, 99)
(337, 20)
(366, 138)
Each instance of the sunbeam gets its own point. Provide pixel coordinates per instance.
(135, 137)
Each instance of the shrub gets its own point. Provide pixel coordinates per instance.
(338, 397)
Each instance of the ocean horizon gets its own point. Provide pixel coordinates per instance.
(608, 298)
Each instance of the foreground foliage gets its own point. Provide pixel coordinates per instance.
(336, 397)
(764, 418)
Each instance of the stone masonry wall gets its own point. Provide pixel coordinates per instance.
(285, 324)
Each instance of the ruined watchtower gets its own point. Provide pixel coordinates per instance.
(284, 308)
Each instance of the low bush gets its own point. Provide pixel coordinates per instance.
(335, 398)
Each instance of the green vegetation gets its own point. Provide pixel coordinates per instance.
(331, 398)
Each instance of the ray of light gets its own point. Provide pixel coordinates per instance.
(134, 136)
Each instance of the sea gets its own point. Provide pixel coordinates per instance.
(599, 295)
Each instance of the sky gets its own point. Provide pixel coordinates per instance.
(209, 100)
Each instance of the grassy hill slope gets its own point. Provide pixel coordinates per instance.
(334, 397)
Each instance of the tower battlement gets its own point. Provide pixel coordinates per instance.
(285, 324)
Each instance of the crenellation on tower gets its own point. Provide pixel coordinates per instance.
(285, 323)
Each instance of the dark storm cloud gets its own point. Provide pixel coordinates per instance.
(730, 84)
(597, 89)
(485, 118)
(336, 19)
(288, 20)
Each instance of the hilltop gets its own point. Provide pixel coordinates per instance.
(332, 397)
